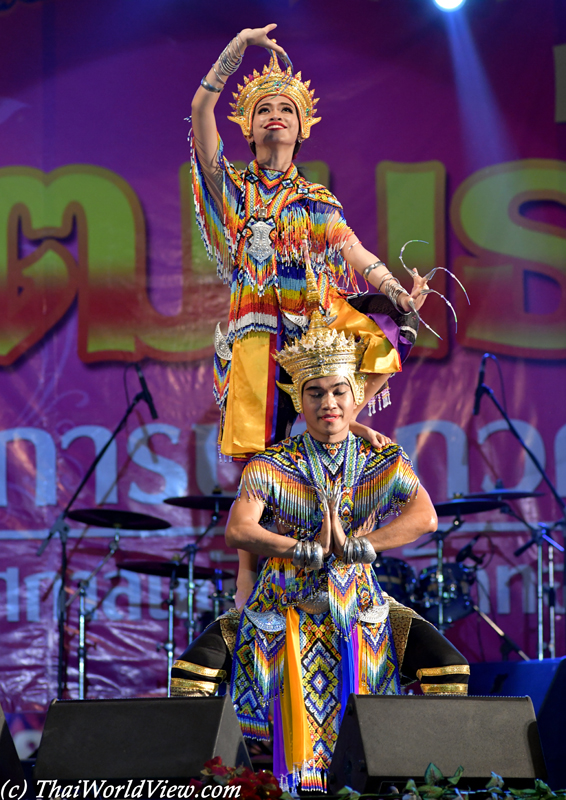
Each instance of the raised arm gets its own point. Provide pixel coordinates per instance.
(206, 97)
(379, 276)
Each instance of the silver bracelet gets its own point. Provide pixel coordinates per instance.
(209, 87)
(369, 268)
(388, 277)
(358, 550)
(316, 559)
(228, 61)
(393, 290)
(217, 75)
(368, 550)
(308, 555)
(298, 555)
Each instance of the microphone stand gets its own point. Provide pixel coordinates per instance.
(539, 533)
(61, 527)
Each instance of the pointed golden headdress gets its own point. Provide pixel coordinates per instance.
(320, 352)
(274, 81)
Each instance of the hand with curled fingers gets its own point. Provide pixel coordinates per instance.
(260, 38)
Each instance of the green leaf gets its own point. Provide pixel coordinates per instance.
(433, 775)
(543, 788)
(495, 782)
(348, 792)
(456, 777)
(434, 791)
(411, 786)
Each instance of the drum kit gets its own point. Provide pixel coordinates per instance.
(183, 567)
(442, 592)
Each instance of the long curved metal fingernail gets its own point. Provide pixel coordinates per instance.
(410, 271)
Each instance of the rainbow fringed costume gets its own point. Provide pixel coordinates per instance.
(265, 294)
(309, 639)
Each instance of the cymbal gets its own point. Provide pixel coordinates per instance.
(205, 502)
(166, 568)
(502, 494)
(117, 518)
(461, 505)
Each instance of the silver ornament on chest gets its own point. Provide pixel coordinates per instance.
(260, 246)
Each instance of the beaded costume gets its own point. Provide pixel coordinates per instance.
(309, 639)
(267, 293)
(257, 240)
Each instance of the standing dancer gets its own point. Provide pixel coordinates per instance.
(254, 224)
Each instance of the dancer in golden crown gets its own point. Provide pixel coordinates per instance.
(258, 224)
(316, 625)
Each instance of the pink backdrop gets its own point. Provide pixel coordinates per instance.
(436, 127)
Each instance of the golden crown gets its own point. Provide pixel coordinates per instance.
(320, 352)
(274, 81)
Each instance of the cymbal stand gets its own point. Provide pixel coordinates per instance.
(539, 534)
(85, 616)
(62, 528)
(218, 595)
(484, 389)
(439, 537)
(191, 551)
(169, 644)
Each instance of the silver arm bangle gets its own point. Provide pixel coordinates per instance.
(217, 75)
(369, 268)
(387, 277)
(209, 87)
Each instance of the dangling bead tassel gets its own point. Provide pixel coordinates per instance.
(371, 406)
(384, 397)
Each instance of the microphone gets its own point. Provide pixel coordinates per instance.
(479, 387)
(466, 551)
(145, 392)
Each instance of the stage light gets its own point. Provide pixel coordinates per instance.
(449, 5)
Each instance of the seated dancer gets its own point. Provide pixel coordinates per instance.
(317, 626)
(254, 224)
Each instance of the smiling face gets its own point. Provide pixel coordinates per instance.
(275, 121)
(328, 408)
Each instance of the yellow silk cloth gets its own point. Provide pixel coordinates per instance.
(244, 425)
(296, 736)
(246, 407)
(380, 356)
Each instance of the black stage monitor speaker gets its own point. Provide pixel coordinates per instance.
(545, 683)
(10, 765)
(142, 738)
(387, 740)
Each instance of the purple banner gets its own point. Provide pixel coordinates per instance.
(445, 128)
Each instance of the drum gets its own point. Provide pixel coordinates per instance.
(457, 600)
(395, 577)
